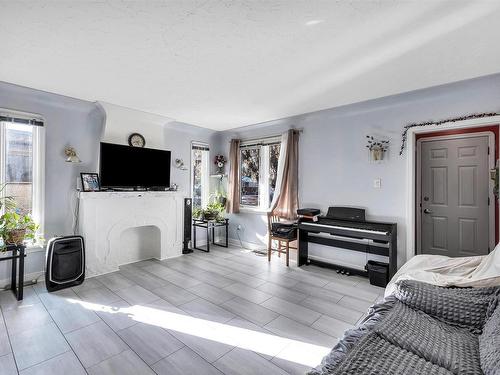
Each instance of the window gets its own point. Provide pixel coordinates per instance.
(200, 155)
(21, 164)
(258, 172)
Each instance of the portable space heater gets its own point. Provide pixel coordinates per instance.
(65, 262)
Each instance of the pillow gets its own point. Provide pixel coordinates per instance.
(489, 344)
(463, 307)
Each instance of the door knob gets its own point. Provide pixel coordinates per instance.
(427, 211)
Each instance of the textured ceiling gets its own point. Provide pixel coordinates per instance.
(224, 64)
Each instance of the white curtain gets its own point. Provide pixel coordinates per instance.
(285, 200)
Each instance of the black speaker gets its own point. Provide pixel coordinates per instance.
(65, 262)
(188, 218)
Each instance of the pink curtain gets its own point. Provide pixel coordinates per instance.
(286, 196)
(233, 191)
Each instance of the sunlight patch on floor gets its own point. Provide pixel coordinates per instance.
(291, 350)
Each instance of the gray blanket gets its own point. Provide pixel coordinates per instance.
(423, 329)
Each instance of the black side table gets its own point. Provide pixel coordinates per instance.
(210, 226)
(17, 275)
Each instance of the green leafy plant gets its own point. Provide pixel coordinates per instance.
(213, 211)
(7, 202)
(16, 228)
(220, 197)
(197, 213)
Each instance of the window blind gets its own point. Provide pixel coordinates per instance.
(20, 120)
(200, 146)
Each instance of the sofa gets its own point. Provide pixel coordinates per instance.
(423, 329)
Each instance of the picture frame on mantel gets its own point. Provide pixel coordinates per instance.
(90, 182)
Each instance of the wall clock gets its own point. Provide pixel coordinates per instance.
(136, 140)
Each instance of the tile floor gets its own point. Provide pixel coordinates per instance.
(225, 312)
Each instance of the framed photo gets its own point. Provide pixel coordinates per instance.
(90, 182)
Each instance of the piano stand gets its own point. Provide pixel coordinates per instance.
(306, 235)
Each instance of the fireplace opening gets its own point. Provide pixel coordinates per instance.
(139, 243)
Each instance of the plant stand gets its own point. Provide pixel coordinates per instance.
(17, 275)
(210, 226)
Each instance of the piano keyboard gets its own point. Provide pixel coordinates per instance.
(347, 228)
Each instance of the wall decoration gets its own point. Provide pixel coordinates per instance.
(441, 122)
(220, 161)
(71, 156)
(377, 147)
(136, 140)
(90, 181)
(179, 163)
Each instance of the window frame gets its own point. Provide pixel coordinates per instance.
(38, 170)
(205, 196)
(263, 145)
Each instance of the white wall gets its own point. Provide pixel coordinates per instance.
(159, 132)
(122, 121)
(80, 124)
(334, 167)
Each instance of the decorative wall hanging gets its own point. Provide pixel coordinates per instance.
(377, 147)
(71, 156)
(220, 161)
(441, 122)
(179, 163)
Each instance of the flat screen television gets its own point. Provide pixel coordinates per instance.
(126, 166)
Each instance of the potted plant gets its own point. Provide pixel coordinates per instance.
(214, 211)
(220, 197)
(15, 228)
(377, 147)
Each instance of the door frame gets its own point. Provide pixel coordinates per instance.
(418, 186)
(411, 169)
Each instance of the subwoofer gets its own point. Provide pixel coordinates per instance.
(188, 218)
(65, 262)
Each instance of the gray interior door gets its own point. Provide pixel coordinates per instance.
(455, 191)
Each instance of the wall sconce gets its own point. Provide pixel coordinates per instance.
(71, 156)
(179, 163)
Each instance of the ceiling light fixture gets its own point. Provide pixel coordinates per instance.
(314, 22)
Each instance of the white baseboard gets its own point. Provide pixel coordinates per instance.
(27, 277)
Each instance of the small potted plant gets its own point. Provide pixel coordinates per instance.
(377, 147)
(15, 228)
(214, 211)
(220, 161)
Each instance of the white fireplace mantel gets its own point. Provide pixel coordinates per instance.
(104, 216)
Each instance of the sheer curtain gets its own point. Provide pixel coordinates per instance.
(286, 196)
(233, 191)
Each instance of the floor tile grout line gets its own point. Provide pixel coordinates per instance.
(121, 339)
(65, 339)
(175, 351)
(10, 342)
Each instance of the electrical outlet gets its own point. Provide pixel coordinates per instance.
(377, 183)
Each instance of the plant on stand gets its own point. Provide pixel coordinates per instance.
(213, 211)
(16, 228)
